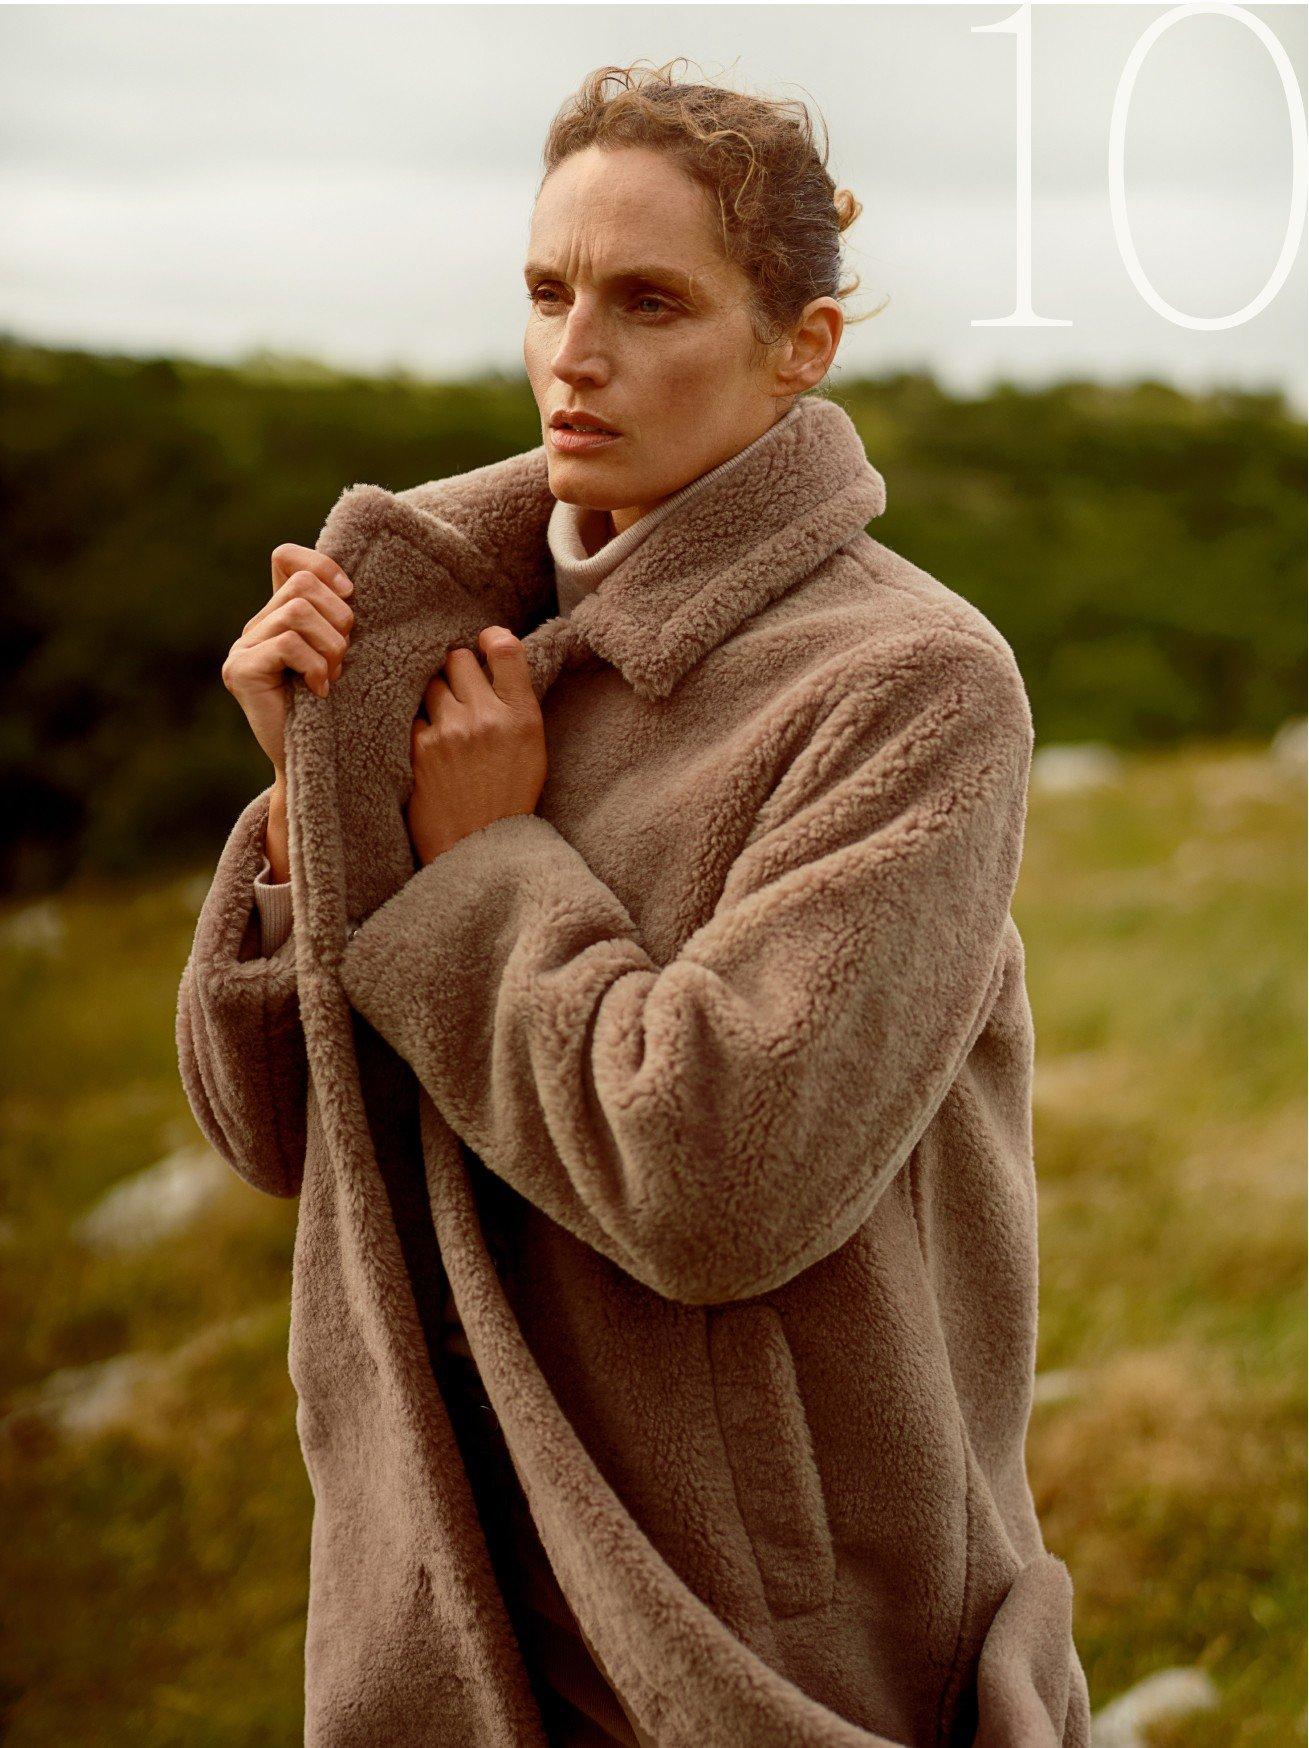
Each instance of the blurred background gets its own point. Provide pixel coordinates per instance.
(254, 254)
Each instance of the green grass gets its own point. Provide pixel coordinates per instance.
(156, 1574)
(1164, 923)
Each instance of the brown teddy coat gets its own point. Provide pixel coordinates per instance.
(708, 1085)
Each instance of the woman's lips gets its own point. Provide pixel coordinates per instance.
(579, 442)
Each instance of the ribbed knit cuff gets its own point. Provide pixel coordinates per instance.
(273, 901)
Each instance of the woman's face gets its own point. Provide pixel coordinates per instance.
(637, 318)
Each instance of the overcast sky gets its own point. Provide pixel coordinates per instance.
(355, 182)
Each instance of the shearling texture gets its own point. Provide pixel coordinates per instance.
(728, 1048)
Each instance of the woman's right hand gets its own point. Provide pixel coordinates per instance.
(305, 626)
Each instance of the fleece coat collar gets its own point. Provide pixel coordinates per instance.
(475, 553)
(805, 489)
(704, 1089)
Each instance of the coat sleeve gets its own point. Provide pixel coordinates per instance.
(240, 1045)
(719, 1123)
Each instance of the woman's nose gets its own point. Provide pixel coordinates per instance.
(579, 351)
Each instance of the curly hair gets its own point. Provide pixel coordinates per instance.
(780, 214)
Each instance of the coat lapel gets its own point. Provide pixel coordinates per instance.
(734, 547)
(434, 564)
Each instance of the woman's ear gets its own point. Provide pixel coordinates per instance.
(807, 353)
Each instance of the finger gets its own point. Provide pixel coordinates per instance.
(302, 616)
(289, 557)
(464, 676)
(306, 585)
(290, 650)
(511, 677)
(435, 696)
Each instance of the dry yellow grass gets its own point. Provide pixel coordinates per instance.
(156, 1572)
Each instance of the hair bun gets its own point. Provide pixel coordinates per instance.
(847, 208)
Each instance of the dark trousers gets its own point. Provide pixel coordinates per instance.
(579, 1705)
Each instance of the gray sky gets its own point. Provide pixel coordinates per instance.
(355, 182)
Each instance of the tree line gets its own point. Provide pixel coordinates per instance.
(1141, 548)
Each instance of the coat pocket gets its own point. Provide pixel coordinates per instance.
(779, 1491)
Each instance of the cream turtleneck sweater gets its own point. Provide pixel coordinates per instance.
(584, 554)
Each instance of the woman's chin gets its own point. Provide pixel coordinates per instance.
(576, 479)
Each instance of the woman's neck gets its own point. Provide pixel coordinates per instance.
(597, 529)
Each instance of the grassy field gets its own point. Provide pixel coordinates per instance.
(157, 1552)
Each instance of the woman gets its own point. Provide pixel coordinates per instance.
(654, 990)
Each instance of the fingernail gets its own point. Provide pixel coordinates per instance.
(344, 584)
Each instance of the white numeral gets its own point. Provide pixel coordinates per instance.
(1118, 191)
(1019, 26)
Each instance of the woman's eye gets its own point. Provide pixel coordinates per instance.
(547, 298)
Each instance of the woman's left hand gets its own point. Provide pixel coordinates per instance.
(478, 745)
